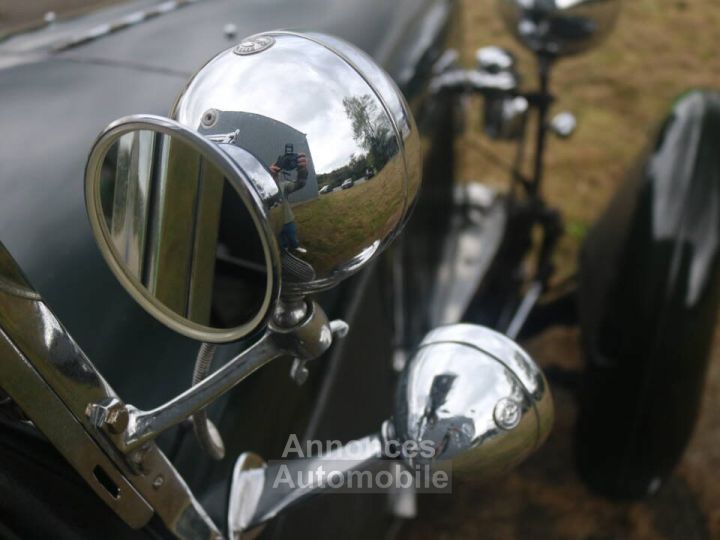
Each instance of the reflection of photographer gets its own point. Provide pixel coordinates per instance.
(281, 171)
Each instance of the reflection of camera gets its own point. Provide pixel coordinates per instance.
(288, 161)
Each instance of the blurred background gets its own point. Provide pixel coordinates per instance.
(619, 93)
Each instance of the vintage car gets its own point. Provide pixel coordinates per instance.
(179, 298)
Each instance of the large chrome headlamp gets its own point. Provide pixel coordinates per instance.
(288, 163)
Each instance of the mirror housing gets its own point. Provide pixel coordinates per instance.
(318, 95)
(479, 398)
(559, 27)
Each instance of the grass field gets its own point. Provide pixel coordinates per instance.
(338, 225)
(619, 92)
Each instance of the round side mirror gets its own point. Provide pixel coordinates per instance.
(291, 160)
(559, 27)
(186, 230)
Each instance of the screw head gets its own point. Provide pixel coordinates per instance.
(507, 413)
(209, 118)
(254, 45)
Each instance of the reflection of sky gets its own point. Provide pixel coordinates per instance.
(296, 82)
(379, 79)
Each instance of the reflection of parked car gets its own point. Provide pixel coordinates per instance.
(347, 183)
(324, 189)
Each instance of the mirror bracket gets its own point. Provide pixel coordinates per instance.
(300, 329)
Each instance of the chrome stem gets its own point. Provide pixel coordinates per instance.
(528, 303)
(257, 497)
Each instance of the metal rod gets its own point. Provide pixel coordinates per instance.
(146, 425)
(261, 494)
(523, 311)
(545, 100)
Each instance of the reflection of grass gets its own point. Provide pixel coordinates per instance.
(338, 225)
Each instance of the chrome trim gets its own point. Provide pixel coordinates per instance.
(472, 242)
(126, 21)
(523, 311)
(49, 376)
(49, 414)
(508, 353)
(473, 394)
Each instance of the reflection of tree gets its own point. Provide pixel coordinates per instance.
(371, 129)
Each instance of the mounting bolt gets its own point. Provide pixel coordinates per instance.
(159, 481)
(112, 415)
(117, 419)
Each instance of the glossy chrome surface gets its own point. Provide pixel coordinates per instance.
(186, 230)
(559, 27)
(475, 235)
(49, 376)
(256, 497)
(474, 394)
(494, 59)
(478, 396)
(505, 116)
(564, 124)
(648, 304)
(245, 491)
(289, 98)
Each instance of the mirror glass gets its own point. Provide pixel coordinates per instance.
(180, 231)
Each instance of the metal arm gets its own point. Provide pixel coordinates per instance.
(130, 428)
(49, 377)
